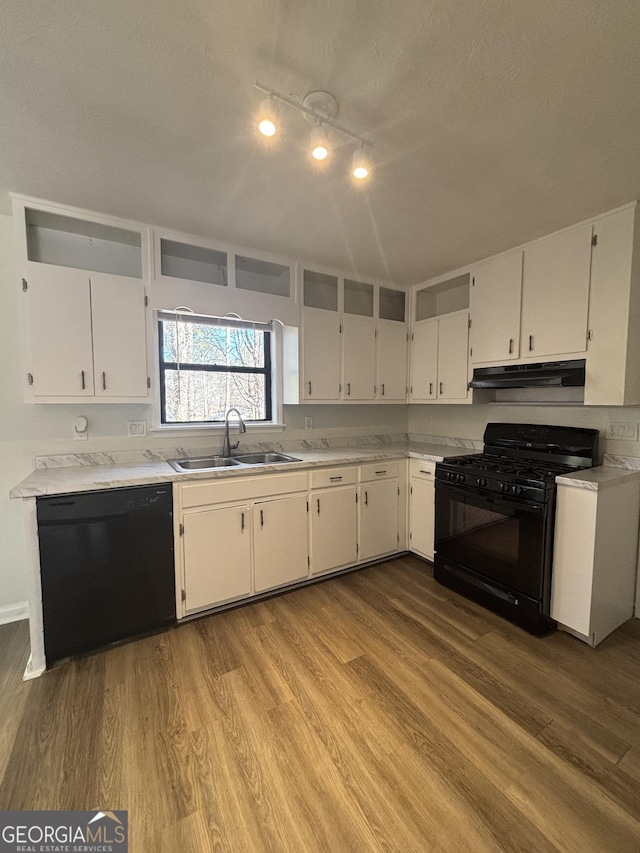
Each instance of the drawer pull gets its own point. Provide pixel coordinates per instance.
(422, 471)
(333, 479)
(382, 472)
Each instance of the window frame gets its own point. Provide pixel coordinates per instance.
(221, 322)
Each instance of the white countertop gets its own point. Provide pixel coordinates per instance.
(596, 479)
(84, 478)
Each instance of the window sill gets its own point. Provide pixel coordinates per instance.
(213, 429)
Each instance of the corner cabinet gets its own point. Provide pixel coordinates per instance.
(440, 359)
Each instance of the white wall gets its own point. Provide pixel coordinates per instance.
(27, 430)
(470, 421)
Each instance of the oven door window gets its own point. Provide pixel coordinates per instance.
(501, 540)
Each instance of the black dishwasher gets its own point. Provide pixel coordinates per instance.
(106, 565)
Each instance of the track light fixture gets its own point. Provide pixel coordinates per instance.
(320, 109)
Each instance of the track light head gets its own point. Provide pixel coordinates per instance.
(319, 143)
(268, 117)
(361, 164)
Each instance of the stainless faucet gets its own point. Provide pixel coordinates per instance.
(227, 447)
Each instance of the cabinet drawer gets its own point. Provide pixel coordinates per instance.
(422, 468)
(241, 489)
(333, 477)
(383, 470)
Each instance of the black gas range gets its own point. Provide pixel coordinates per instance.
(495, 517)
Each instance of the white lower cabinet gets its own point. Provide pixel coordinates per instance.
(217, 556)
(422, 507)
(595, 555)
(332, 528)
(240, 537)
(280, 541)
(378, 510)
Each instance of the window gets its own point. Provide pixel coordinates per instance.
(208, 365)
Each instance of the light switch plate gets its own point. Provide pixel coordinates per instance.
(620, 431)
(136, 429)
(308, 421)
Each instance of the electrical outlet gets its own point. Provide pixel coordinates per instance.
(308, 421)
(622, 431)
(136, 429)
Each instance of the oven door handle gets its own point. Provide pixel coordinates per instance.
(489, 498)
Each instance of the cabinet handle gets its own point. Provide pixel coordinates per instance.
(318, 506)
(530, 343)
(261, 518)
(309, 387)
(83, 382)
(104, 381)
(441, 387)
(348, 389)
(430, 388)
(510, 345)
(366, 499)
(422, 471)
(382, 389)
(382, 472)
(242, 521)
(333, 479)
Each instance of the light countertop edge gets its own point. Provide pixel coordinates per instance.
(66, 480)
(597, 479)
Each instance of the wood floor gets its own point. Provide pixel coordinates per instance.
(375, 711)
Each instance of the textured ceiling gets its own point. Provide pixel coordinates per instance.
(493, 121)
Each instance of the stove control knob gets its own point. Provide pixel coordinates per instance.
(461, 478)
(504, 488)
(481, 482)
(449, 475)
(517, 490)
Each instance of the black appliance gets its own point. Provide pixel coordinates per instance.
(106, 565)
(495, 517)
(555, 374)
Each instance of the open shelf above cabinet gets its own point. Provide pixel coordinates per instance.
(262, 276)
(80, 244)
(392, 304)
(320, 290)
(193, 263)
(442, 298)
(358, 298)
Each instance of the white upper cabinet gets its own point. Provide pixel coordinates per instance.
(613, 349)
(85, 299)
(424, 361)
(440, 341)
(321, 354)
(119, 345)
(555, 295)
(359, 358)
(495, 300)
(391, 382)
(59, 357)
(453, 348)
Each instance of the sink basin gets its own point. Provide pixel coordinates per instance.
(202, 464)
(263, 458)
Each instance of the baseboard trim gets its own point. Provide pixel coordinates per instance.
(14, 612)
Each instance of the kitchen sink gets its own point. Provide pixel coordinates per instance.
(202, 464)
(263, 458)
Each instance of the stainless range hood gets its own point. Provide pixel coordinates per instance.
(556, 374)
